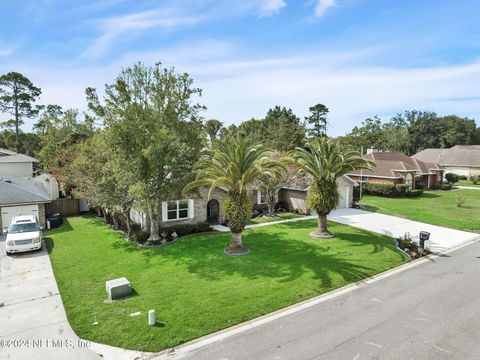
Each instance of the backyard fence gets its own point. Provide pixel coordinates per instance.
(65, 207)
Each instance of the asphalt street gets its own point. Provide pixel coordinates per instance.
(431, 311)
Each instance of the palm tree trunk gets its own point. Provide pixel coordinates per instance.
(322, 231)
(236, 245)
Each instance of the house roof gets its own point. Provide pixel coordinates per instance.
(304, 185)
(459, 155)
(393, 164)
(18, 190)
(8, 156)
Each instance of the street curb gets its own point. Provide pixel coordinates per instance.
(186, 348)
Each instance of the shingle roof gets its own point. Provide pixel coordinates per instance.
(392, 164)
(18, 190)
(459, 155)
(8, 156)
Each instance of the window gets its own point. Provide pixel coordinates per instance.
(364, 178)
(177, 209)
(261, 197)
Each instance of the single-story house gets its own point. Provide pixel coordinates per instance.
(200, 208)
(398, 168)
(461, 159)
(22, 196)
(15, 164)
(294, 197)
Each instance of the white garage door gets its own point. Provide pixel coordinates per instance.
(343, 203)
(9, 212)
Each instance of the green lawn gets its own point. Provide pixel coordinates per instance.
(195, 288)
(280, 216)
(467, 183)
(433, 207)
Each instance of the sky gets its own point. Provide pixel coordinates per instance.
(360, 58)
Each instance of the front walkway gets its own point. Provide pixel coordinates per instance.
(441, 238)
(467, 187)
(33, 324)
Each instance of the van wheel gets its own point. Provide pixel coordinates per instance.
(8, 253)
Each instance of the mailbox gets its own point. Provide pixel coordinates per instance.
(424, 236)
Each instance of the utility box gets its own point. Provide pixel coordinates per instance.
(118, 288)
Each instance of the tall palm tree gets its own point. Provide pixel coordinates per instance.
(212, 128)
(233, 165)
(325, 160)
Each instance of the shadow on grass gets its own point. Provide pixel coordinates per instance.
(275, 254)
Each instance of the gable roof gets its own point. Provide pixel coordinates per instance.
(459, 155)
(17, 190)
(393, 164)
(8, 156)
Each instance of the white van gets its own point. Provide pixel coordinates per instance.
(24, 234)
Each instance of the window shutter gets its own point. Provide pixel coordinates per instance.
(164, 211)
(191, 207)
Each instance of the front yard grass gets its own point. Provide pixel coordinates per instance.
(466, 183)
(432, 207)
(279, 216)
(193, 286)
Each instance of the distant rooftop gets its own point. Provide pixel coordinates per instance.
(8, 156)
(459, 155)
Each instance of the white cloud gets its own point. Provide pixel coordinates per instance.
(323, 6)
(271, 7)
(132, 25)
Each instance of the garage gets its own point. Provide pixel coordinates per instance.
(344, 200)
(9, 212)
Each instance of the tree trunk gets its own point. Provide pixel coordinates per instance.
(271, 208)
(115, 220)
(99, 211)
(154, 228)
(17, 119)
(322, 231)
(236, 245)
(104, 214)
(128, 222)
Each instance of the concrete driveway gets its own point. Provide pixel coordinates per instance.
(441, 238)
(33, 324)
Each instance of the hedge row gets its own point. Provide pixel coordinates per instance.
(389, 190)
(141, 236)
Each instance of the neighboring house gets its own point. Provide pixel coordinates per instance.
(294, 196)
(398, 168)
(22, 196)
(15, 164)
(461, 159)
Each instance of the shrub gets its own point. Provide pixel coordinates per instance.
(419, 183)
(388, 190)
(446, 187)
(460, 200)
(402, 189)
(475, 179)
(452, 178)
(407, 245)
(463, 177)
(414, 192)
(140, 236)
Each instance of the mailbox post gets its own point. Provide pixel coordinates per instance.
(424, 236)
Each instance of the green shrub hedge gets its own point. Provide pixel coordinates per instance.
(389, 190)
(141, 236)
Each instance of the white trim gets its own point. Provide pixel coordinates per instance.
(191, 209)
(178, 218)
(259, 198)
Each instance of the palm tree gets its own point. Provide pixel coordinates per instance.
(325, 160)
(212, 128)
(233, 165)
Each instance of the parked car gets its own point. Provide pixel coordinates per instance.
(24, 234)
(54, 221)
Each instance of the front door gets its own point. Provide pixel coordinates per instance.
(213, 211)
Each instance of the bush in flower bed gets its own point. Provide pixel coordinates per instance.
(390, 190)
(169, 233)
(411, 248)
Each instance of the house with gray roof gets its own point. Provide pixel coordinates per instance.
(461, 159)
(12, 163)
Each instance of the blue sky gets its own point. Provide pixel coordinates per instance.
(358, 57)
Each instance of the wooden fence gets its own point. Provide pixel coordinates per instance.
(65, 207)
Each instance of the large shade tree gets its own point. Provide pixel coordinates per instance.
(233, 165)
(17, 98)
(325, 160)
